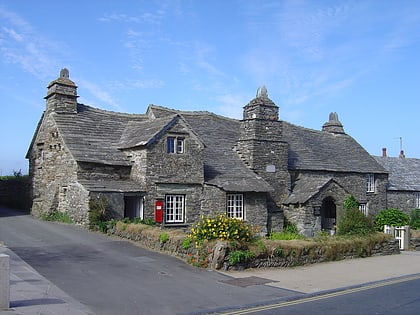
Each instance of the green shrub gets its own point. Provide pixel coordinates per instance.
(239, 256)
(354, 222)
(391, 217)
(290, 232)
(164, 237)
(97, 213)
(350, 203)
(285, 236)
(221, 227)
(415, 219)
(186, 243)
(147, 221)
(57, 216)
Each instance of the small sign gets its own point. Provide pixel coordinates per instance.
(317, 211)
(270, 168)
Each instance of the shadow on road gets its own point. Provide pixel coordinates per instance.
(8, 212)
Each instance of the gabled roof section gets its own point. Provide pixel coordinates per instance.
(305, 188)
(222, 166)
(320, 150)
(38, 127)
(147, 132)
(404, 173)
(144, 132)
(93, 135)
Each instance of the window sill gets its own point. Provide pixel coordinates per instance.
(178, 224)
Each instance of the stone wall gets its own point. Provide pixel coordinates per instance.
(96, 171)
(286, 255)
(51, 167)
(74, 199)
(298, 257)
(402, 200)
(415, 243)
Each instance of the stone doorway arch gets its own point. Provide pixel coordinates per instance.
(328, 214)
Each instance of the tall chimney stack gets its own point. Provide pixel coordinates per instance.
(383, 152)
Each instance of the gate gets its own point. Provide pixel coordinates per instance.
(401, 233)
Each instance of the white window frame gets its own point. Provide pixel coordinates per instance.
(175, 145)
(417, 200)
(363, 207)
(235, 206)
(370, 183)
(174, 208)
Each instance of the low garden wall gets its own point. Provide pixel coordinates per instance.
(259, 254)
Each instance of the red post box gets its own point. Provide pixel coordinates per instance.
(159, 211)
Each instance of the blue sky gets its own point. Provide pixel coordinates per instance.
(360, 59)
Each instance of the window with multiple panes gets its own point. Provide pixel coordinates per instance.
(235, 206)
(175, 145)
(370, 183)
(418, 200)
(363, 208)
(175, 208)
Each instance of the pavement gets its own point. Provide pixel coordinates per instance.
(30, 293)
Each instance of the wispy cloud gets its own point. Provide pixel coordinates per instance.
(21, 44)
(98, 93)
(231, 105)
(145, 17)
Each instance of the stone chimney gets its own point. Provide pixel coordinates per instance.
(402, 155)
(333, 125)
(62, 94)
(383, 152)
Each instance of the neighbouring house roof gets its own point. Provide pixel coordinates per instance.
(320, 150)
(306, 187)
(404, 173)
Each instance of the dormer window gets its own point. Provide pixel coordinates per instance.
(175, 145)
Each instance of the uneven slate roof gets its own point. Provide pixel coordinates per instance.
(320, 150)
(222, 166)
(110, 185)
(305, 188)
(404, 173)
(93, 135)
(141, 133)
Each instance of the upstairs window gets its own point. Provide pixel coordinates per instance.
(370, 183)
(175, 145)
(235, 206)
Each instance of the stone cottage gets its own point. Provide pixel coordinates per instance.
(175, 166)
(403, 191)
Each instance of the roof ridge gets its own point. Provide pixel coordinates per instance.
(192, 112)
(106, 111)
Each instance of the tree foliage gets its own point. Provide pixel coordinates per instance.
(354, 222)
(391, 217)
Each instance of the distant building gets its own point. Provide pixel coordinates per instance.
(259, 169)
(403, 190)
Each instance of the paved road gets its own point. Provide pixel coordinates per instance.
(111, 276)
(398, 296)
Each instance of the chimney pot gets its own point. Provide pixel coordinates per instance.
(383, 152)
